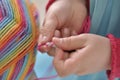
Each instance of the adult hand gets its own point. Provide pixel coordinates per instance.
(66, 16)
(92, 54)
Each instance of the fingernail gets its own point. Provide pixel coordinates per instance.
(45, 49)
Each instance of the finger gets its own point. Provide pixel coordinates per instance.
(48, 28)
(70, 43)
(65, 32)
(59, 64)
(57, 34)
(47, 31)
(52, 51)
(43, 48)
(47, 47)
(58, 60)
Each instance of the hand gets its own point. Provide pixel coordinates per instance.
(66, 16)
(92, 54)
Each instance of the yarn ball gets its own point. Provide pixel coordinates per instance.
(18, 38)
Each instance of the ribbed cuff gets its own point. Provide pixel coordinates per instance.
(115, 60)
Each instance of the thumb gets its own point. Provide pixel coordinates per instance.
(70, 43)
(48, 29)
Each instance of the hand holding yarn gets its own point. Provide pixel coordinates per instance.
(86, 59)
(66, 16)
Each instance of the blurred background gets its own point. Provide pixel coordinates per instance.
(40, 4)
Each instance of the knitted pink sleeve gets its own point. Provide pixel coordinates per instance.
(115, 60)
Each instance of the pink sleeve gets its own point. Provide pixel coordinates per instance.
(115, 60)
(49, 4)
(86, 23)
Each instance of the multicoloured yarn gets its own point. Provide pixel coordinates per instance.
(18, 38)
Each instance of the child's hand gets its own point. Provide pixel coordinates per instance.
(66, 16)
(92, 54)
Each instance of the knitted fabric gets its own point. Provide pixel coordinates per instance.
(18, 38)
(115, 64)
